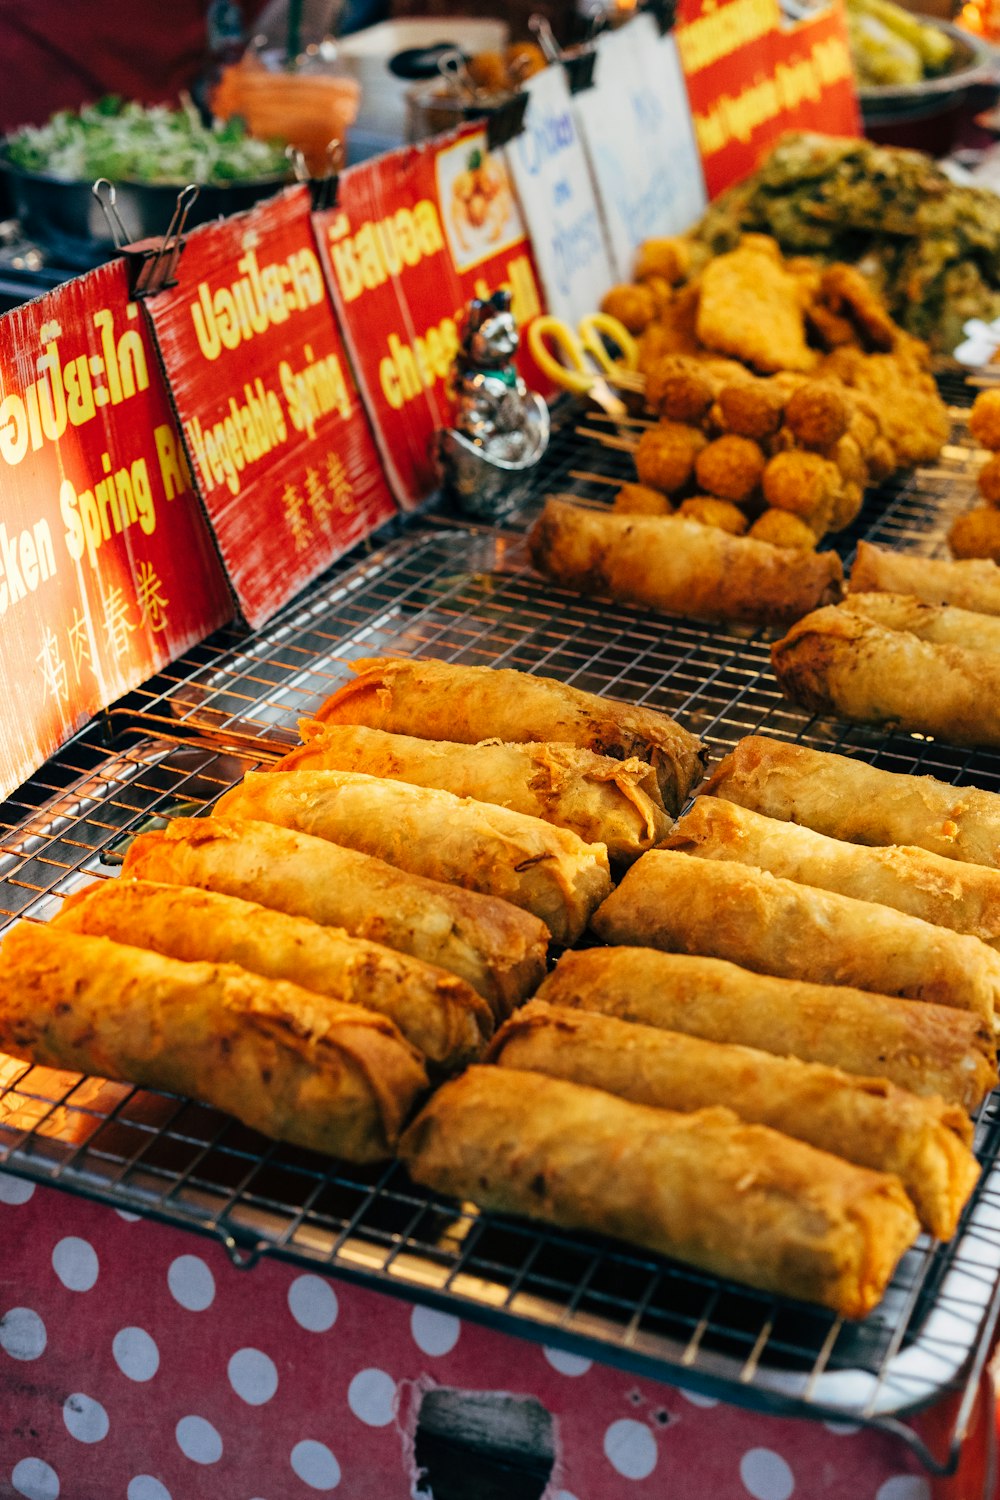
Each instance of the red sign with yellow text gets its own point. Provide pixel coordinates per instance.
(279, 445)
(414, 236)
(107, 568)
(752, 75)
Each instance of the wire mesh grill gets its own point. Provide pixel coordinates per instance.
(469, 596)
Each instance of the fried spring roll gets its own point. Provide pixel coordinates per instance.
(971, 584)
(726, 910)
(296, 1066)
(438, 1013)
(439, 700)
(965, 898)
(868, 1121)
(849, 799)
(603, 801)
(544, 870)
(497, 948)
(927, 1049)
(740, 1201)
(836, 662)
(675, 564)
(940, 624)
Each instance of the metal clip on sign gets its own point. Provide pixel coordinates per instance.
(323, 190)
(151, 262)
(577, 61)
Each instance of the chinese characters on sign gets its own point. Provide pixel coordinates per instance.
(107, 568)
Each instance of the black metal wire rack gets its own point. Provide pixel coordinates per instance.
(469, 595)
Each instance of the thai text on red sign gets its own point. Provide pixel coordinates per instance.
(278, 442)
(107, 568)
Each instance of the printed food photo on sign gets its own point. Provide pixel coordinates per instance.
(279, 444)
(107, 568)
(414, 236)
(480, 211)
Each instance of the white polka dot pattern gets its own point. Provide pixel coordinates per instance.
(253, 1376)
(191, 1283)
(22, 1334)
(35, 1480)
(766, 1475)
(313, 1303)
(135, 1353)
(315, 1465)
(630, 1449)
(75, 1263)
(198, 1440)
(371, 1396)
(85, 1418)
(434, 1332)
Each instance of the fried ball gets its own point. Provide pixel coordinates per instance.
(850, 461)
(751, 408)
(847, 503)
(664, 459)
(488, 70)
(804, 483)
(782, 529)
(641, 500)
(984, 419)
(881, 459)
(711, 511)
(976, 534)
(524, 60)
(818, 413)
(667, 257)
(661, 292)
(988, 480)
(679, 389)
(730, 467)
(635, 306)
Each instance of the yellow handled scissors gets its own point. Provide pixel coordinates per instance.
(579, 361)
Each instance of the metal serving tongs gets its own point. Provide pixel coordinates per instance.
(582, 361)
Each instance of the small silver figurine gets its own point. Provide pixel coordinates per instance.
(501, 428)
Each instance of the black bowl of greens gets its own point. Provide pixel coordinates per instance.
(149, 154)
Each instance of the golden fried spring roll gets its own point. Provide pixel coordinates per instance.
(542, 869)
(672, 563)
(439, 700)
(737, 1200)
(438, 1013)
(497, 948)
(865, 1120)
(722, 909)
(940, 624)
(970, 584)
(836, 662)
(603, 801)
(849, 799)
(297, 1066)
(965, 898)
(927, 1049)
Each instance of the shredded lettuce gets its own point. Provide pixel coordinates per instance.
(128, 142)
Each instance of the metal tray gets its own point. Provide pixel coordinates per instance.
(183, 738)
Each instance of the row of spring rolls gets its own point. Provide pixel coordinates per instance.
(915, 646)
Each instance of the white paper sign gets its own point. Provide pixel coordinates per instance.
(637, 127)
(549, 166)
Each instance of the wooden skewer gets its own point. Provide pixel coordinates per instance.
(586, 478)
(627, 380)
(606, 440)
(600, 416)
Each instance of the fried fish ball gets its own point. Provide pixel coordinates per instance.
(679, 389)
(751, 408)
(818, 413)
(988, 480)
(488, 70)
(524, 60)
(731, 467)
(847, 503)
(984, 419)
(635, 306)
(976, 534)
(711, 511)
(803, 483)
(641, 500)
(666, 454)
(782, 529)
(669, 257)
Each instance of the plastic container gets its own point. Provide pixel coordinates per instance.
(307, 107)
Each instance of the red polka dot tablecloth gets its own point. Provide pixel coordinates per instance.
(137, 1363)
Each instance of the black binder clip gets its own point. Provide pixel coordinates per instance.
(664, 13)
(578, 62)
(151, 262)
(322, 190)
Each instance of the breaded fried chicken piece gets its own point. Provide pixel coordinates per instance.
(751, 307)
(847, 292)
